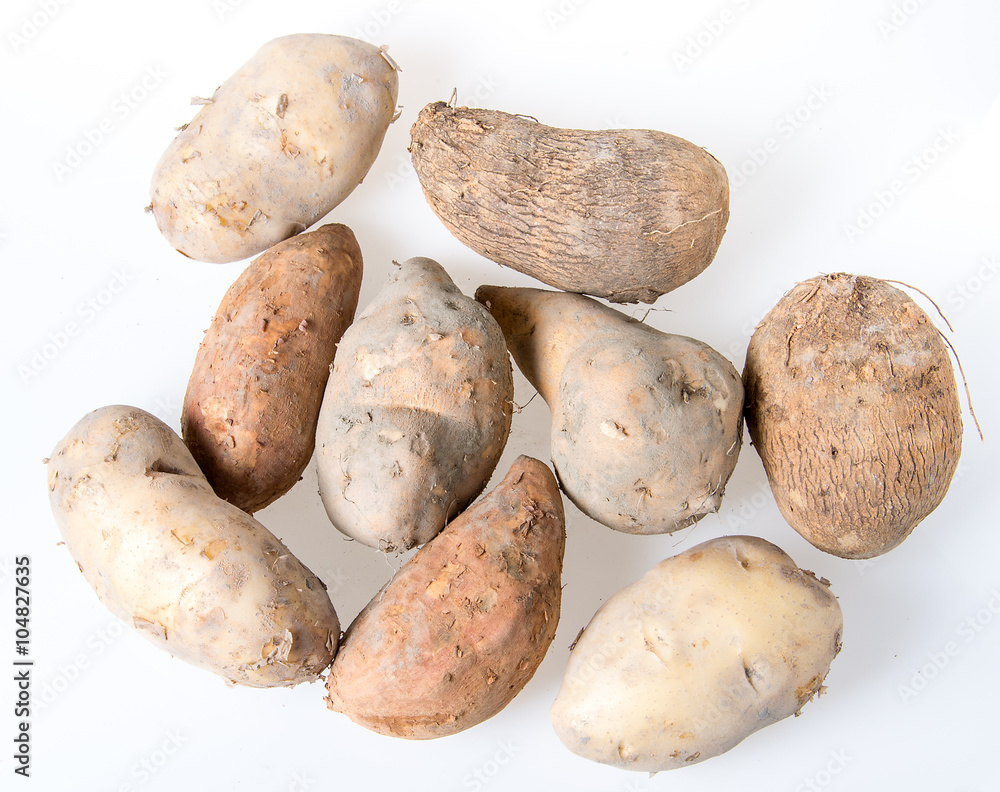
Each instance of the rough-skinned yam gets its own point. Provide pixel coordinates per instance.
(416, 412)
(625, 214)
(276, 147)
(195, 575)
(462, 627)
(253, 400)
(646, 426)
(853, 407)
(705, 649)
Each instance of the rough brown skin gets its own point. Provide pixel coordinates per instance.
(416, 413)
(462, 627)
(189, 572)
(646, 425)
(626, 214)
(253, 399)
(853, 407)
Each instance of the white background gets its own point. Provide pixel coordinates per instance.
(816, 109)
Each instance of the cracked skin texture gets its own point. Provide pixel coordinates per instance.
(706, 648)
(852, 405)
(626, 214)
(462, 627)
(254, 395)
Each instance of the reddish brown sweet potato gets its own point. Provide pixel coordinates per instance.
(462, 627)
(252, 402)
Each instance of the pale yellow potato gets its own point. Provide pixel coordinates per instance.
(278, 145)
(705, 649)
(191, 572)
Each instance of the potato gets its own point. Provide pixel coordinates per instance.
(190, 572)
(463, 625)
(253, 400)
(646, 426)
(705, 649)
(278, 145)
(853, 407)
(416, 412)
(625, 214)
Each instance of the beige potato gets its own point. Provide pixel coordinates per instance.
(416, 413)
(646, 425)
(191, 573)
(276, 147)
(705, 649)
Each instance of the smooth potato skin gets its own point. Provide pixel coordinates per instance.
(281, 143)
(853, 407)
(624, 214)
(462, 627)
(193, 574)
(253, 399)
(646, 426)
(416, 412)
(705, 649)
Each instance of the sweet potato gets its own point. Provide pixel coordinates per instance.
(191, 573)
(625, 214)
(253, 399)
(462, 627)
(416, 412)
(853, 407)
(646, 426)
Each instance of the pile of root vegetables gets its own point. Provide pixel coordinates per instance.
(406, 407)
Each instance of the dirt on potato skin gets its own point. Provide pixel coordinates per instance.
(463, 626)
(852, 405)
(252, 402)
(626, 214)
